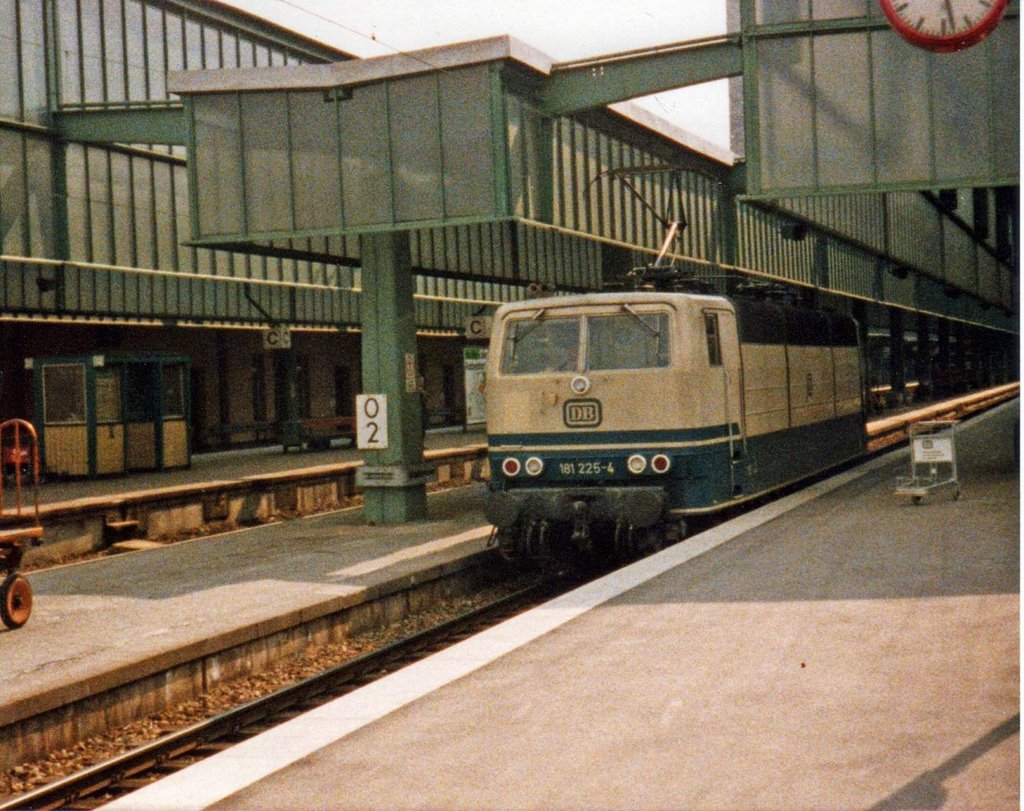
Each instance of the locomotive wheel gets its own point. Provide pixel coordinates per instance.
(15, 601)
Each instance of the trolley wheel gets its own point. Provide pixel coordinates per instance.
(917, 499)
(15, 601)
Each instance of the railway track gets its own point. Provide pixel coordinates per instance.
(132, 770)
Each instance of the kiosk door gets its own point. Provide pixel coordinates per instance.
(141, 414)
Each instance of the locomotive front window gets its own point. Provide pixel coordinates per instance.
(628, 341)
(537, 345)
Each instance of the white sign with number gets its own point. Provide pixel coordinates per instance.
(371, 421)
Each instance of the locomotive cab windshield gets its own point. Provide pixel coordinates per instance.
(558, 343)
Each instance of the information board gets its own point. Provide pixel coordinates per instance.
(932, 449)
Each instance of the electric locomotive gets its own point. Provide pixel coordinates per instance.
(613, 417)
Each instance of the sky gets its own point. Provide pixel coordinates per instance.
(562, 29)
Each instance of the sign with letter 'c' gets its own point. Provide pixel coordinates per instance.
(277, 338)
(371, 421)
(478, 327)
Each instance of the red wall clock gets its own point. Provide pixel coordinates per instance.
(944, 25)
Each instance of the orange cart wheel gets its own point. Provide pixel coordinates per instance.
(15, 601)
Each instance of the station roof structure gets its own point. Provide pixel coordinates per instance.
(300, 160)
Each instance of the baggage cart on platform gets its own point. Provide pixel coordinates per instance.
(19, 522)
(932, 460)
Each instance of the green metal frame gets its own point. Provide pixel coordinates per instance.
(753, 34)
(388, 343)
(575, 86)
(129, 124)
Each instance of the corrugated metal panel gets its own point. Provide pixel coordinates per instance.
(844, 107)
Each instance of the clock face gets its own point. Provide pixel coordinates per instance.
(944, 25)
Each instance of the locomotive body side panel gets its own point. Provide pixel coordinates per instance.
(807, 365)
(849, 391)
(766, 388)
(811, 385)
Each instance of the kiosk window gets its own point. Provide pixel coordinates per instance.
(174, 392)
(108, 395)
(64, 393)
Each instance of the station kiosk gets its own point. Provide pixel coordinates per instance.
(112, 413)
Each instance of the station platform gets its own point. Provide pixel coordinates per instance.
(113, 621)
(233, 464)
(219, 491)
(837, 648)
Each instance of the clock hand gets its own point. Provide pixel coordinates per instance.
(949, 11)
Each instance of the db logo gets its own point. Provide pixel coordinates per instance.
(581, 413)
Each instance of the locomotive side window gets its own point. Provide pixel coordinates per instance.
(628, 341)
(714, 342)
(538, 345)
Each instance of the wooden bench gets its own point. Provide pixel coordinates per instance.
(259, 431)
(316, 433)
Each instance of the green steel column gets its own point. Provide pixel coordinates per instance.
(897, 357)
(943, 383)
(286, 397)
(393, 479)
(727, 221)
(859, 311)
(923, 364)
(983, 352)
(958, 356)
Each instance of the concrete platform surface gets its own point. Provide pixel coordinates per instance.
(104, 622)
(841, 648)
(229, 465)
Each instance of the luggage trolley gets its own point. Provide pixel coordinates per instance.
(18, 526)
(932, 460)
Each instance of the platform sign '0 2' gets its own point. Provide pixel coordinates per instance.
(371, 422)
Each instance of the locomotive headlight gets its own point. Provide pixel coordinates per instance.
(661, 463)
(534, 466)
(636, 464)
(511, 467)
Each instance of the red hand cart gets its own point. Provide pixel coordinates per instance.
(19, 524)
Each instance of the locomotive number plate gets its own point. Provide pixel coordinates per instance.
(577, 468)
(582, 413)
